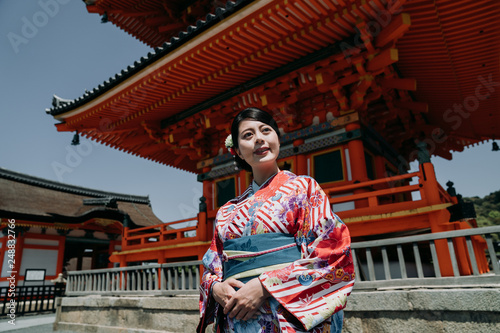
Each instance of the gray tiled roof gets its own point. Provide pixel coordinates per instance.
(67, 188)
(60, 105)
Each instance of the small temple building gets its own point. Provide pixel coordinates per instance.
(59, 227)
(359, 90)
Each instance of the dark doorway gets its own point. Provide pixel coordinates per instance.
(81, 255)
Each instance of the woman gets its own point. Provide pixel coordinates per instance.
(279, 259)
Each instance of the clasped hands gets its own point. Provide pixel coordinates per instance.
(243, 304)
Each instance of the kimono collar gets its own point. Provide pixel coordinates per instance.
(256, 187)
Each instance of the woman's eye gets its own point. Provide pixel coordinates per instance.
(246, 135)
(267, 129)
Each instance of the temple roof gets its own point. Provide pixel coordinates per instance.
(155, 22)
(31, 198)
(60, 105)
(176, 88)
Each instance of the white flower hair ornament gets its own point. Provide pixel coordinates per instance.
(230, 145)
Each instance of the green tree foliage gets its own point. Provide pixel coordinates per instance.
(487, 209)
(488, 213)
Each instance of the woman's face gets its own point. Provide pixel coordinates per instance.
(258, 143)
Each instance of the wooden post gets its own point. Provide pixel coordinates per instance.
(243, 182)
(430, 187)
(301, 168)
(208, 191)
(202, 232)
(60, 254)
(358, 163)
(123, 262)
(111, 249)
(438, 220)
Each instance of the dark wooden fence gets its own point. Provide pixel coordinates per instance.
(29, 299)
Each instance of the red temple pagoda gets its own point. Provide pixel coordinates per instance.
(359, 89)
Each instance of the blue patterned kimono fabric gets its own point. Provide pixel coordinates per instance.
(258, 243)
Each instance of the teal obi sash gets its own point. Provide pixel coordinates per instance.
(248, 257)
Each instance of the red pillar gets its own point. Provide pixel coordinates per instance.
(243, 182)
(123, 262)
(439, 222)
(60, 254)
(202, 232)
(358, 163)
(208, 191)
(301, 168)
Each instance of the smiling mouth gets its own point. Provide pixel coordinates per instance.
(261, 151)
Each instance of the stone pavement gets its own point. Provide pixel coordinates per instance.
(38, 323)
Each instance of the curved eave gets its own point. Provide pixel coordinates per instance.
(153, 21)
(158, 53)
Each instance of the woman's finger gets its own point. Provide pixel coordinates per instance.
(229, 305)
(235, 283)
(237, 312)
(249, 315)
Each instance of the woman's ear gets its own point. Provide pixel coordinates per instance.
(238, 153)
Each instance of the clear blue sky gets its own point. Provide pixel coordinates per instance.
(63, 50)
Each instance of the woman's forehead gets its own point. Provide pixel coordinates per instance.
(250, 123)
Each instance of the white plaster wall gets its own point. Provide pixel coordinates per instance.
(39, 258)
(5, 265)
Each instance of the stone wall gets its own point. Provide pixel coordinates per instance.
(127, 314)
(418, 310)
(424, 310)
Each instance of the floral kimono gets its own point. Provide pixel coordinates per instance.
(305, 291)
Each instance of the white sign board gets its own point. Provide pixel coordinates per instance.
(34, 275)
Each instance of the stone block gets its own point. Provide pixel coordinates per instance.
(378, 301)
(476, 299)
(417, 310)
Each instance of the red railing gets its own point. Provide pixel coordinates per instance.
(380, 196)
(388, 195)
(157, 235)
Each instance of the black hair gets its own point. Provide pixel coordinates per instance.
(255, 114)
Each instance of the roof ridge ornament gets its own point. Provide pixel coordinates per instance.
(58, 101)
(109, 202)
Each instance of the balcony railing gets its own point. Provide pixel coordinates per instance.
(387, 263)
(390, 195)
(152, 236)
(379, 197)
(413, 261)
